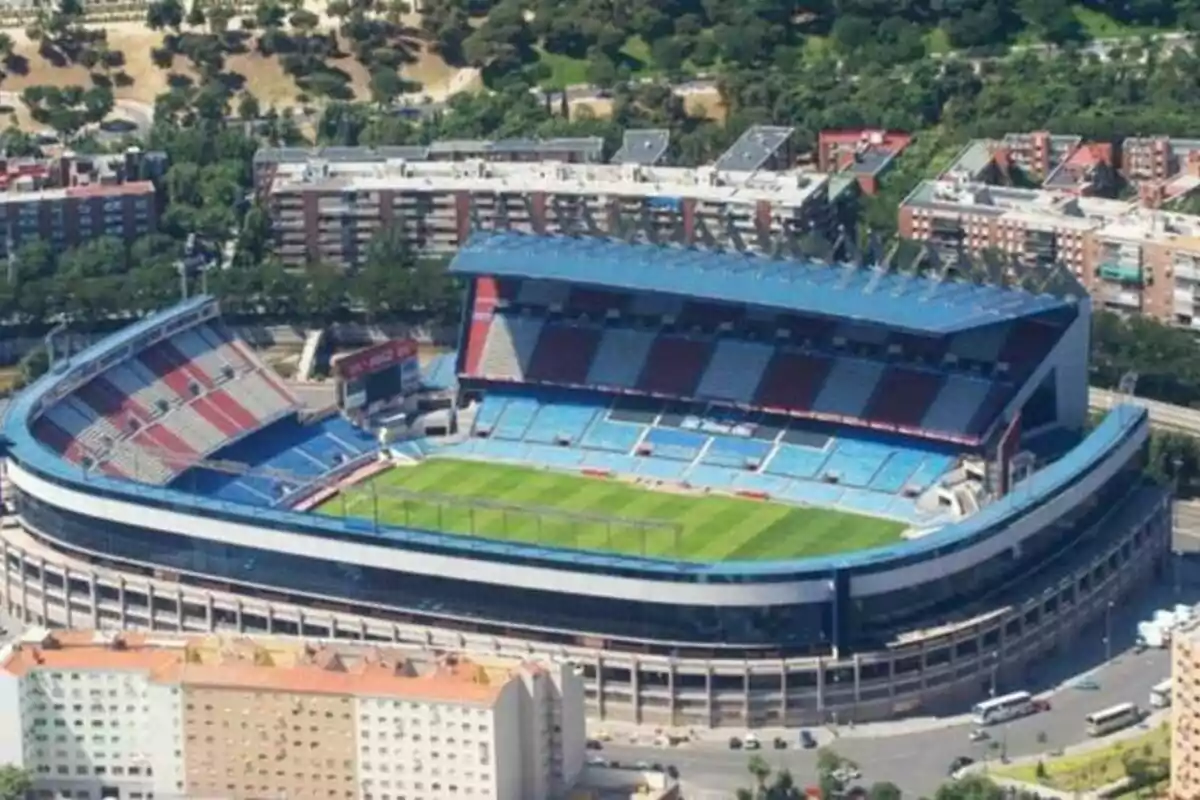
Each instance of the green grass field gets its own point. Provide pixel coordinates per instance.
(692, 527)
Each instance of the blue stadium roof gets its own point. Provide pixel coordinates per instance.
(810, 287)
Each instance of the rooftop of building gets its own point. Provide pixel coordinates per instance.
(588, 148)
(754, 148)
(267, 664)
(790, 188)
(79, 176)
(1060, 210)
(864, 152)
(646, 147)
(864, 294)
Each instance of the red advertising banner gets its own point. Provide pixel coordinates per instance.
(374, 358)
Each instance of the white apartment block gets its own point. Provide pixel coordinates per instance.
(327, 204)
(141, 717)
(90, 727)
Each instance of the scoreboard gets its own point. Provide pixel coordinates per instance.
(377, 377)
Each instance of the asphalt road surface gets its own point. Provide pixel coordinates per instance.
(917, 760)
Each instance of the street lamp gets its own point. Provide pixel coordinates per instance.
(1177, 464)
(1108, 631)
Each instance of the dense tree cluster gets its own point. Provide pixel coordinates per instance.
(694, 35)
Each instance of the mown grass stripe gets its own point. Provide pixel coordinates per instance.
(710, 527)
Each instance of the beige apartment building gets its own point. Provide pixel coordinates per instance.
(145, 716)
(1185, 713)
(326, 205)
(1131, 258)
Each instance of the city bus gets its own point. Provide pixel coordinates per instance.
(1113, 719)
(1001, 709)
(1160, 695)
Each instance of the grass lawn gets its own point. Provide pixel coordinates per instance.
(693, 527)
(1098, 25)
(566, 71)
(1091, 770)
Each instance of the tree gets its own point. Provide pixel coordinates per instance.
(164, 14)
(15, 783)
(884, 790)
(760, 771)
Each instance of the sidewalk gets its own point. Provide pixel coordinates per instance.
(629, 733)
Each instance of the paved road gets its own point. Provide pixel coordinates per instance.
(915, 754)
(917, 762)
(1162, 415)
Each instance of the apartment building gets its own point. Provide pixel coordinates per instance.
(327, 205)
(1185, 713)
(145, 716)
(1132, 259)
(72, 199)
(863, 154)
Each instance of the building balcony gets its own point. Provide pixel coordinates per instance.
(1121, 272)
(1121, 299)
(1186, 269)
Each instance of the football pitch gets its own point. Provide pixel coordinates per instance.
(496, 501)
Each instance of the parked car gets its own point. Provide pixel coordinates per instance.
(735, 743)
(1086, 684)
(979, 735)
(960, 763)
(597, 761)
(846, 774)
(780, 743)
(807, 740)
(751, 742)
(595, 744)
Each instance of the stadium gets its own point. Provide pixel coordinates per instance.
(736, 490)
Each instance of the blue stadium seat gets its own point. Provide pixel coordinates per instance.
(561, 421)
(956, 404)
(757, 482)
(674, 443)
(514, 422)
(796, 461)
(616, 462)
(715, 477)
(618, 437)
(489, 412)
(865, 502)
(895, 474)
(852, 470)
(730, 451)
(812, 493)
(735, 370)
(660, 468)
(849, 387)
(554, 456)
(932, 468)
(620, 357)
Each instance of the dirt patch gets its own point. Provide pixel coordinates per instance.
(264, 76)
(706, 104)
(702, 104)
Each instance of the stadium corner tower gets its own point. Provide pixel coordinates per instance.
(883, 491)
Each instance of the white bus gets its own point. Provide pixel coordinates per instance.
(1000, 709)
(1113, 719)
(1160, 695)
